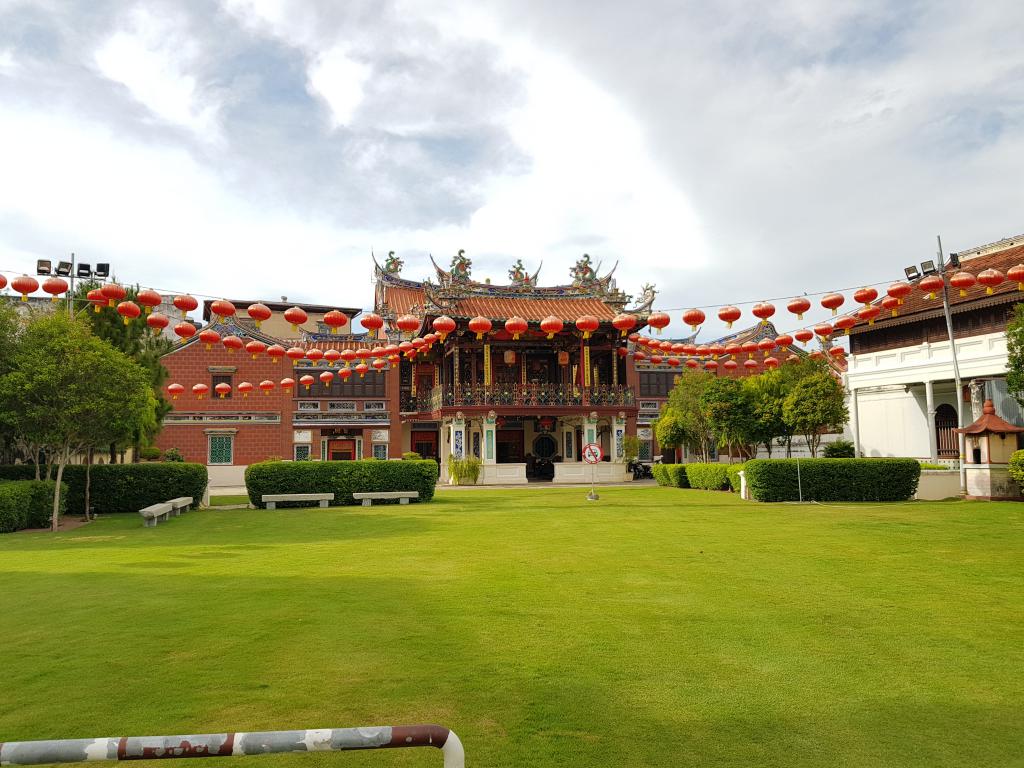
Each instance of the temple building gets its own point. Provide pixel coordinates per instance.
(518, 375)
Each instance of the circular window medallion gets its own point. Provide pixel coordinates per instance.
(544, 447)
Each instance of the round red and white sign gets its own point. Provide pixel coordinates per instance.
(592, 453)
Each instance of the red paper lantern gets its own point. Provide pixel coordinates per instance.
(803, 336)
(845, 323)
(307, 381)
(406, 348)
(55, 286)
(371, 321)
(991, 279)
(97, 299)
(255, 348)
(793, 359)
(443, 325)
(331, 356)
(232, 343)
(730, 365)
(658, 320)
(314, 355)
(223, 390)
(865, 295)
(335, 319)
(750, 365)
(275, 352)
(295, 354)
(750, 347)
(408, 324)
(693, 318)
(26, 285)
(634, 337)
(157, 321)
(656, 359)
(287, 384)
(766, 346)
(817, 355)
(899, 291)
(185, 330)
(175, 391)
(480, 325)
(711, 365)
(891, 303)
(716, 349)
(771, 363)
(361, 369)
(931, 285)
(551, 325)
(296, 316)
(588, 324)
(223, 309)
(348, 356)
(3, 282)
(516, 326)
(763, 310)
(729, 315)
(832, 301)
(267, 386)
(824, 330)
(732, 349)
(345, 374)
(112, 292)
(622, 352)
(245, 387)
(639, 356)
(623, 323)
(209, 337)
(837, 352)
(326, 378)
(1016, 274)
(128, 310)
(431, 339)
(673, 362)
(962, 281)
(868, 312)
(379, 364)
(259, 312)
(185, 303)
(199, 390)
(784, 340)
(798, 306)
(149, 299)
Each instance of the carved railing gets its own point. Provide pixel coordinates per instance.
(517, 395)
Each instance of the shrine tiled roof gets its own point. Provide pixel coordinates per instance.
(917, 306)
(568, 308)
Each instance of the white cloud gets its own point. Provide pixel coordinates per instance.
(339, 80)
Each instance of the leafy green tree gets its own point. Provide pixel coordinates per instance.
(694, 425)
(669, 429)
(815, 404)
(67, 390)
(1015, 354)
(728, 411)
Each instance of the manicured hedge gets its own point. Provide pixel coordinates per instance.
(672, 475)
(1016, 467)
(27, 504)
(833, 479)
(733, 471)
(710, 477)
(122, 487)
(343, 478)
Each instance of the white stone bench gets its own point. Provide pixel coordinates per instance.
(155, 513)
(179, 504)
(402, 496)
(271, 499)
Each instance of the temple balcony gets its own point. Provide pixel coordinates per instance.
(529, 396)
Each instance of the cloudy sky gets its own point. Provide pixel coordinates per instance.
(727, 151)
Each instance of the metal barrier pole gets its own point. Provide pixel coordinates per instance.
(234, 745)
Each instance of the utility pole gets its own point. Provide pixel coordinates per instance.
(71, 289)
(961, 438)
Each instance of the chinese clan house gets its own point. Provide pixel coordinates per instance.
(520, 376)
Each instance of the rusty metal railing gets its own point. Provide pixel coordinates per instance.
(234, 745)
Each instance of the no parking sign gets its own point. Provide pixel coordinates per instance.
(592, 453)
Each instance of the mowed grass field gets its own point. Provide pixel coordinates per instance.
(656, 627)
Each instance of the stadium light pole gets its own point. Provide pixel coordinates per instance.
(961, 438)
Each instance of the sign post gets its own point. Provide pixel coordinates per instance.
(592, 454)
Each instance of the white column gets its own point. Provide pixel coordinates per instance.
(855, 423)
(489, 449)
(618, 436)
(929, 398)
(569, 451)
(589, 430)
(444, 449)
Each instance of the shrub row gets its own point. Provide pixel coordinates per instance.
(1016, 468)
(709, 477)
(342, 478)
(833, 479)
(122, 487)
(733, 471)
(672, 475)
(28, 504)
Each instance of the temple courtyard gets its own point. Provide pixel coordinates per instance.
(654, 627)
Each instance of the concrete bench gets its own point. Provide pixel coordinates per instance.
(155, 513)
(271, 499)
(179, 504)
(402, 496)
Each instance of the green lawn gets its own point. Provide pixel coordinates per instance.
(227, 501)
(656, 627)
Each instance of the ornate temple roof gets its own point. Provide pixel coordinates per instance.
(455, 293)
(990, 423)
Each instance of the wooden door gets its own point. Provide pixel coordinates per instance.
(425, 444)
(341, 450)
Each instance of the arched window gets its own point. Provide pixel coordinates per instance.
(945, 437)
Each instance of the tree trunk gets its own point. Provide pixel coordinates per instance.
(55, 517)
(88, 469)
(113, 453)
(35, 460)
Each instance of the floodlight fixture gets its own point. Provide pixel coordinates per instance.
(84, 271)
(911, 272)
(43, 266)
(102, 270)
(928, 267)
(954, 259)
(64, 268)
